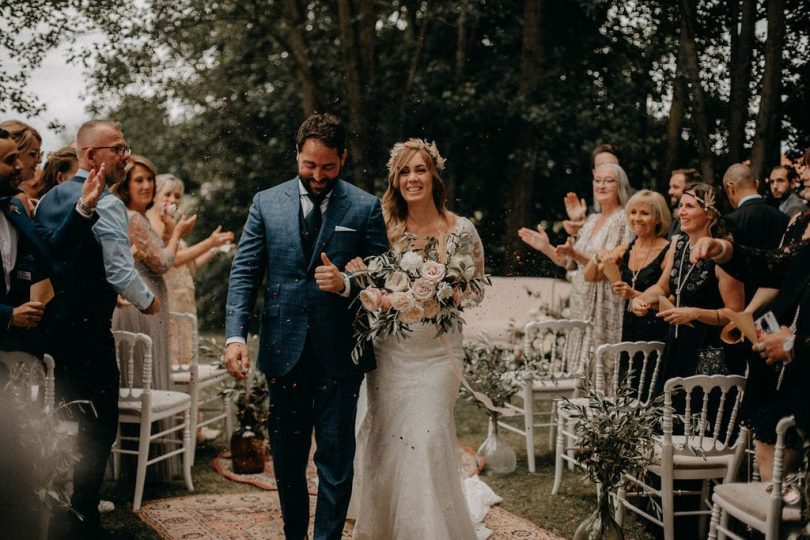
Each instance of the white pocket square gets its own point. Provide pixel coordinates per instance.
(340, 228)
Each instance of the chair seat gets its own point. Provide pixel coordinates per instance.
(685, 459)
(205, 371)
(162, 400)
(754, 499)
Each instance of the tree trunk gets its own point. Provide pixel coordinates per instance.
(675, 120)
(698, 102)
(519, 187)
(300, 51)
(742, 49)
(413, 70)
(354, 94)
(768, 131)
(461, 42)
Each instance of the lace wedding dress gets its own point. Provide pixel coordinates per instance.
(408, 479)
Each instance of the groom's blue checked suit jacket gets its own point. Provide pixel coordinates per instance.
(293, 305)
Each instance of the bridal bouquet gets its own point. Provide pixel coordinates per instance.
(408, 286)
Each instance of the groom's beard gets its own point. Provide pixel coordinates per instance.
(330, 183)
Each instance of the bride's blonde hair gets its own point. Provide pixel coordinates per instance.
(394, 207)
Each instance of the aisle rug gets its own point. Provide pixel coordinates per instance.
(257, 515)
(471, 464)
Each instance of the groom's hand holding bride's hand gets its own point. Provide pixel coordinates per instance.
(328, 277)
(236, 360)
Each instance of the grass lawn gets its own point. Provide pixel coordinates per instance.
(527, 495)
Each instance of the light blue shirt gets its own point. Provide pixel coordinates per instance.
(112, 232)
(748, 198)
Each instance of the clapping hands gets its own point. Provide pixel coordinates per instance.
(537, 239)
(93, 186)
(575, 207)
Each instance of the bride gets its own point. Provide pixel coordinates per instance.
(408, 482)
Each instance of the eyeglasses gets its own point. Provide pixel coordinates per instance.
(120, 149)
(604, 181)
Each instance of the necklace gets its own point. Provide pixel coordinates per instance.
(682, 282)
(641, 266)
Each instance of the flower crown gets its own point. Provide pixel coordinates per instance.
(416, 144)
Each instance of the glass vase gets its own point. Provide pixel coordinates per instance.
(247, 451)
(600, 525)
(499, 456)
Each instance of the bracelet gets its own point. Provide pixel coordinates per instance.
(84, 207)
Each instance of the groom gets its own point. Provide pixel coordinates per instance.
(299, 233)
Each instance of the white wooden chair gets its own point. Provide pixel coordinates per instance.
(616, 360)
(195, 378)
(39, 374)
(565, 346)
(751, 503)
(704, 451)
(139, 404)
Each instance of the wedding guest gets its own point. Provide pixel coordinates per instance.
(604, 153)
(700, 292)
(29, 144)
(602, 232)
(189, 259)
(678, 180)
(643, 262)
(95, 267)
(152, 259)
(61, 166)
(780, 182)
(805, 179)
(753, 223)
(782, 277)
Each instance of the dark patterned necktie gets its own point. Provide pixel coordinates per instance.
(314, 219)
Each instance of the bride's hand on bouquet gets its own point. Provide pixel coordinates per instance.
(356, 265)
(537, 239)
(328, 277)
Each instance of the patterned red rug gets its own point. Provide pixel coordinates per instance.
(471, 464)
(256, 515)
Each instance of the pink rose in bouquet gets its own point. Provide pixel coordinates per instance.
(422, 290)
(371, 298)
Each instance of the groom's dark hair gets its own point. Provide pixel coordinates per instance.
(326, 128)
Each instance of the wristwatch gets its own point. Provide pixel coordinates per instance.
(787, 346)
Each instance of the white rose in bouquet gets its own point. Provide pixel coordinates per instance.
(371, 298)
(422, 290)
(443, 292)
(433, 271)
(430, 308)
(412, 315)
(402, 301)
(411, 261)
(397, 281)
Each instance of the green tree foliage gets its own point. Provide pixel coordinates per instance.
(516, 94)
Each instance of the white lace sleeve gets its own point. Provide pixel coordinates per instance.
(619, 231)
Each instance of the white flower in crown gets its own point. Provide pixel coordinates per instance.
(411, 261)
(429, 147)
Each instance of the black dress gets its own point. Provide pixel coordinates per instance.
(700, 288)
(784, 268)
(649, 327)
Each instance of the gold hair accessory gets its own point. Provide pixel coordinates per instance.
(708, 201)
(414, 144)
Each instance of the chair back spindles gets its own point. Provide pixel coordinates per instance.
(126, 347)
(618, 362)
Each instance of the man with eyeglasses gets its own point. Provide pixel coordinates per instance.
(96, 269)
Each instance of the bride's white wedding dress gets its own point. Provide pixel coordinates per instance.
(408, 480)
